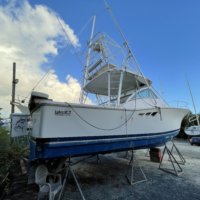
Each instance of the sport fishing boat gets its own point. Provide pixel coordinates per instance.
(128, 114)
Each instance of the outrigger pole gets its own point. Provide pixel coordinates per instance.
(87, 60)
(193, 102)
(130, 53)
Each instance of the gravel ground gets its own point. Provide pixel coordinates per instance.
(107, 179)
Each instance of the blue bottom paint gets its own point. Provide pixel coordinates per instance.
(55, 148)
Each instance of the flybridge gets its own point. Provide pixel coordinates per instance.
(108, 71)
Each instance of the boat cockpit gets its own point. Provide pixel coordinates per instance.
(142, 98)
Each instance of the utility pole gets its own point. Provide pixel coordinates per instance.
(14, 82)
(12, 102)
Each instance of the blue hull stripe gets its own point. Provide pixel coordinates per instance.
(55, 148)
(103, 137)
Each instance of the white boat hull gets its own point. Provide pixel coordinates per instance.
(193, 131)
(61, 130)
(62, 120)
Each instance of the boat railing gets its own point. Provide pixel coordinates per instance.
(104, 54)
(179, 104)
(111, 104)
(94, 66)
(193, 118)
(98, 68)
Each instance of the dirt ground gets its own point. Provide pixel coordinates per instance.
(107, 179)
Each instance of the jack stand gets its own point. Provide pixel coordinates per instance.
(131, 179)
(98, 159)
(147, 154)
(182, 159)
(126, 155)
(172, 160)
(69, 171)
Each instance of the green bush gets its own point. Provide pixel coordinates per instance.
(4, 140)
(4, 150)
(11, 150)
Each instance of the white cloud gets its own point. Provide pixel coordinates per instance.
(69, 91)
(28, 35)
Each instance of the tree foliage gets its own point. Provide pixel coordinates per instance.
(10, 151)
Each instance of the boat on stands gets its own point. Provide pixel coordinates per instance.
(128, 114)
(193, 130)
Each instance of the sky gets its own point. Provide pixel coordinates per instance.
(164, 36)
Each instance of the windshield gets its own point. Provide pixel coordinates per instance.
(146, 93)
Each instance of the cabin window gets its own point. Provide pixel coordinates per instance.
(124, 98)
(146, 93)
(154, 114)
(141, 114)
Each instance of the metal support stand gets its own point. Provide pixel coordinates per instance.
(147, 154)
(69, 171)
(182, 159)
(173, 160)
(98, 159)
(131, 180)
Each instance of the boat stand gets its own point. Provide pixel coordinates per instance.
(177, 170)
(69, 171)
(182, 159)
(131, 179)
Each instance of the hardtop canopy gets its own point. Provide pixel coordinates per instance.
(99, 83)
